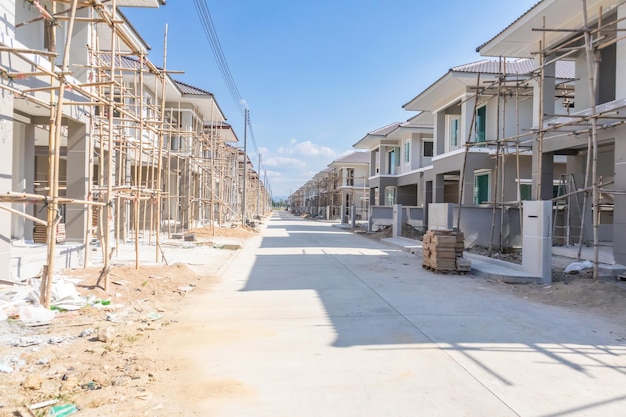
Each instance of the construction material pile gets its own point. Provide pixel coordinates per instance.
(443, 251)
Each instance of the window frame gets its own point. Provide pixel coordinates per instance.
(407, 152)
(450, 118)
(479, 174)
(481, 124)
(432, 148)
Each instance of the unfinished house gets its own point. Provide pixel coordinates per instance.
(591, 133)
(399, 153)
(100, 144)
(348, 187)
(475, 108)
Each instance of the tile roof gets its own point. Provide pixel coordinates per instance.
(384, 131)
(190, 89)
(353, 158)
(564, 69)
(128, 62)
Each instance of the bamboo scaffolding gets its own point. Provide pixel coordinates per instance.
(126, 129)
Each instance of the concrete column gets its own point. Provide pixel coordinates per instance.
(467, 115)
(439, 132)
(7, 27)
(581, 85)
(23, 177)
(373, 201)
(6, 177)
(396, 226)
(546, 175)
(19, 178)
(620, 87)
(438, 189)
(619, 212)
(77, 181)
(353, 216)
(29, 177)
(537, 240)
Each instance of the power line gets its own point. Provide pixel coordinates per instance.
(211, 34)
(218, 53)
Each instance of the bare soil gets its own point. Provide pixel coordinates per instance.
(104, 372)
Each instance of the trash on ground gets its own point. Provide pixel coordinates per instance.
(62, 410)
(42, 404)
(576, 267)
(87, 332)
(35, 314)
(153, 315)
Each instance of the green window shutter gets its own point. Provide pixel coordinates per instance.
(481, 188)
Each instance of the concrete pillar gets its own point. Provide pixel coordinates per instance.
(353, 216)
(438, 189)
(29, 177)
(620, 86)
(6, 177)
(537, 239)
(77, 181)
(619, 211)
(7, 27)
(546, 175)
(439, 132)
(467, 115)
(343, 208)
(396, 226)
(23, 177)
(548, 91)
(581, 85)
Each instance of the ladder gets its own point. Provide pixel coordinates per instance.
(567, 212)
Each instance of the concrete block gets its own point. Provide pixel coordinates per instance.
(440, 216)
(537, 257)
(538, 218)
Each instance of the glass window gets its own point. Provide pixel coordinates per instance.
(454, 132)
(481, 187)
(407, 152)
(390, 196)
(428, 148)
(350, 177)
(481, 124)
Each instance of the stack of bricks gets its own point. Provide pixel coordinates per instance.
(443, 251)
(41, 233)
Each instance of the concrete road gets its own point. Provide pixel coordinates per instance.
(310, 320)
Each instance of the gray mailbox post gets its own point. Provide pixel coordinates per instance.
(537, 239)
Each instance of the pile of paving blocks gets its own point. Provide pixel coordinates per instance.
(443, 251)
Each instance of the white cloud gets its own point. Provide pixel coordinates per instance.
(284, 162)
(294, 163)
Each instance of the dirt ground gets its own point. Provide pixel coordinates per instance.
(105, 359)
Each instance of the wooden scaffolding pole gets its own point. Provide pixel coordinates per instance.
(109, 166)
(54, 150)
(594, 137)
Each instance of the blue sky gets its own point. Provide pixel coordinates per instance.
(318, 75)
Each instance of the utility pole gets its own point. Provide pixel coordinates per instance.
(258, 189)
(245, 167)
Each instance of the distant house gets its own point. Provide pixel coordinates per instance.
(349, 186)
(399, 155)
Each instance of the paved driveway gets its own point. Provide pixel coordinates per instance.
(310, 320)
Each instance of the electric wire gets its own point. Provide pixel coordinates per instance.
(211, 34)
